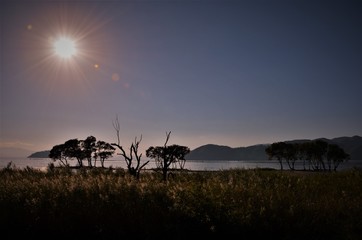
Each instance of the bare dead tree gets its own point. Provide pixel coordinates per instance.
(116, 126)
(134, 169)
(167, 138)
(167, 157)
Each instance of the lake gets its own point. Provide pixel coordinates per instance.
(199, 165)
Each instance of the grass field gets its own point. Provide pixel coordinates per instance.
(247, 204)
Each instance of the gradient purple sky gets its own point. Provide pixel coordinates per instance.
(234, 73)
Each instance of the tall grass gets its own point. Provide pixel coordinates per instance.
(110, 204)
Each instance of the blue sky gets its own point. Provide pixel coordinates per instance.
(233, 73)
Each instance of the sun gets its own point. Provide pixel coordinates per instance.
(65, 47)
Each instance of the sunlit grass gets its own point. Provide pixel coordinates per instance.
(110, 203)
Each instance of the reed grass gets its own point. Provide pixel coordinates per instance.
(110, 204)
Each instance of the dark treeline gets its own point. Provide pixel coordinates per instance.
(166, 157)
(89, 149)
(316, 155)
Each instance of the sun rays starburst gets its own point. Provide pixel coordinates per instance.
(65, 47)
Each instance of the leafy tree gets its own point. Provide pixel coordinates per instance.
(88, 148)
(104, 150)
(318, 153)
(73, 150)
(304, 154)
(320, 150)
(57, 153)
(276, 150)
(167, 155)
(335, 156)
(290, 154)
(80, 150)
(180, 153)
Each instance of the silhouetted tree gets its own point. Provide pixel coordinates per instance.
(167, 155)
(276, 150)
(58, 153)
(88, 148)
(73, 150)
(320, 150)
(303, 154)
(104, 150)
(80, 150)
(290, 154)
(318, 153)
(335, 156)
(134, 169)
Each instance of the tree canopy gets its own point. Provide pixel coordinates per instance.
(318, 154)
(80, 150)
(165, 156)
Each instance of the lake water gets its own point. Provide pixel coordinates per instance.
(42, 163)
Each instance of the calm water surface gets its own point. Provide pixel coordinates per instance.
(42, 163)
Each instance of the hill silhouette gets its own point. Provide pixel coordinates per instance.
(351, 145)
(41, 154)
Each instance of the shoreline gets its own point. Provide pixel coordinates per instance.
(176, 171)
(191, 165)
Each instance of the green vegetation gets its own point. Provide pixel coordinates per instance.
(110, 204)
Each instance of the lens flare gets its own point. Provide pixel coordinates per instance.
(64, 45)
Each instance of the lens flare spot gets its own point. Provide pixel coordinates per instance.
(115, 77)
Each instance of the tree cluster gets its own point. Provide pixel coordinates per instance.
(164, 156)
(89, 149)
(317, 155)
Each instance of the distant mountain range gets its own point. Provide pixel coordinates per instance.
(218, 152)
(351, 145)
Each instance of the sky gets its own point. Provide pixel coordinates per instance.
(233, 73)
